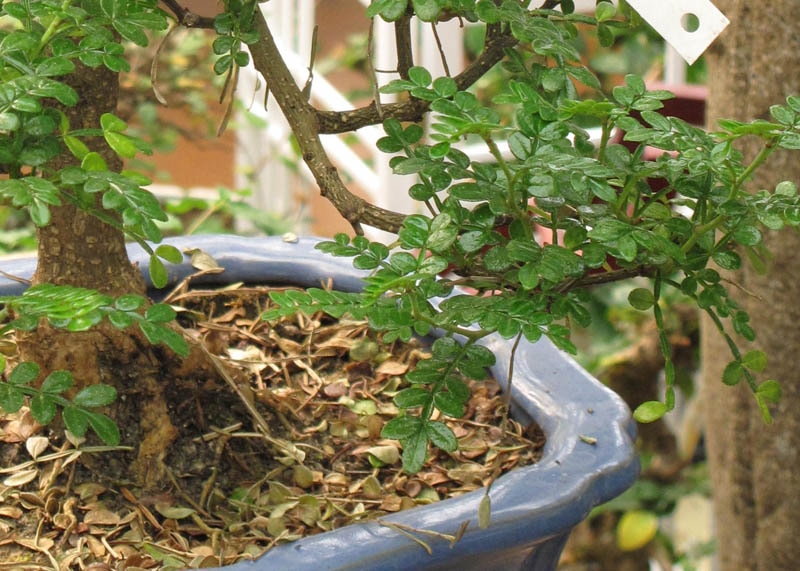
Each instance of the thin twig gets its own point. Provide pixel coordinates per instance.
(441, 49)
(373, 73)
(154, 66)
(188, 18)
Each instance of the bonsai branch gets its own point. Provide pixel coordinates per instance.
(402, 39)
(498, 40)
(302, 119)
(186, 17)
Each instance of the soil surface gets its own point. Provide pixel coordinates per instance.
(286, 443)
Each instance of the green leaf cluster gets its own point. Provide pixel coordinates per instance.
(606, 213)
(79, 309)
(234, 27)
(48, 398)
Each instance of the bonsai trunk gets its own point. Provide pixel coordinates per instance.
(80, 250)
(753, 465)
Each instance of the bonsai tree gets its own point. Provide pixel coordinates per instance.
(85, 330)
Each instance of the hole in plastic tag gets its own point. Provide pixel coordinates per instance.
(688, 25)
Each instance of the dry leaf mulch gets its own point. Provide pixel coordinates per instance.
(323, 387)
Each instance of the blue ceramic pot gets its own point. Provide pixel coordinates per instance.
(533, 508)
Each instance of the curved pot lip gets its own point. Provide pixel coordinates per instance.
(589, 457)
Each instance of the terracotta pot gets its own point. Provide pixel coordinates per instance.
(589, 457)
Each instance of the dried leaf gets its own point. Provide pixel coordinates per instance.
(392, 368)
(43, 544)
(89, 490)
(10, 511)
(371, 488)
(336, 389)
(36, 445)
(308, 510)
(469, 473)
(303, 476)
(201, 260)
(20, 427)
(101, 516)
(31, 501)
(20, 478)
(96, 547)
(387, 455)
(485, 512)
(392, 503)
(276, 526)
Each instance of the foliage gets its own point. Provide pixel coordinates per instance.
(481, 231)
(45, 400)
(79, 309)
(34, 59)
(484, 222)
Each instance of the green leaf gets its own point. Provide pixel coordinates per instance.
(93, 162)
(131, 32)
(110, 122)
(449, 403)
(770, 391)
(528, 276)
(158, 273)
(732, 373)
(75, 419)
(414, 233)
(441, 436)
(606, 38)
(24, 373)
(157, 333)
(120, 319)
(129, 302)
(175, 341)
(426, 10)
(389, 10)
(53, 66)
(415, 450)
(412, 397)
(433, 265)
(650, 411)
(755, 360)
(747, 235)
(786, 188)
(105, 428)
(95, 396)
(480, 356)
(57, 382)
(420, 76)
(9, 121)
(121, 144)
(160, 313)
(401, 427)
(727, 260)
(40, 213)
(641, 299)
(605, 11)
(43, 408)
(403, 262)
(11, 398)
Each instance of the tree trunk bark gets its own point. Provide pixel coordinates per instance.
(754, 466)
(80, 250)
(77, 248)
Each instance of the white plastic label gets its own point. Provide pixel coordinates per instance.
(688, 25)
